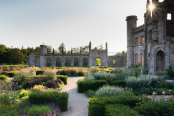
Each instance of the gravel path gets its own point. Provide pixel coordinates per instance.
(78, 102)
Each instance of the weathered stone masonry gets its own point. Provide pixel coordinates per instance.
(152, 44)
(75, 60)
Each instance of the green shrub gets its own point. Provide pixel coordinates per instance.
(50, 74)
(89, 77)
(120, 110)
(11, 73)
(81, 73)
(5, 68)
(83, 86)
(4, 78)
(100, 76)
(24, 93)
(143, 81)
(169, 72)
(169, 85)
(64, 78)
(9, 111)
(120, 83)
(111, 91)
(36, 110)
(39, 72)
(90, 93)
(149, 91)
(156, 108)
(97, 105)
(44, 97)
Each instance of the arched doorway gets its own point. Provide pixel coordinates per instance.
(58, 62)
(67, 62)
(76, 62)
(85, 62)
(48, 62)
(98, 61)
(160, 61)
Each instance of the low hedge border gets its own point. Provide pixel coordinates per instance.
(89, 85)
(120, 110)
(11, 73)
(64, 78)
(39, 72)
(60, 99)
(85, 85)
(97, 105)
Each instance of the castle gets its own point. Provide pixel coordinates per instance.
(75, 60)
(152, 44)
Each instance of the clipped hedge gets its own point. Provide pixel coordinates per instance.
(97, 105)
(120, 83)
(120, 110)
(11, 73)
(83, 86)
(60, 99)
(64, 78)
(39, 72)
(3, 77)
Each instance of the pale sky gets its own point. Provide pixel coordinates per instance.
(73, 22)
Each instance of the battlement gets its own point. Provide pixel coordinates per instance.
(138, 29)
(132, 17)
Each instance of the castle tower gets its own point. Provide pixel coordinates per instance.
(131, 24)
(43, 49)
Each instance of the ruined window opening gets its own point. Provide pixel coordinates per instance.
(98, 62)
(169, 16)
(85, 62)
(67, 62)
(150, 34)
(58, 62)
(136, 60)
(113, 61)
(48, 62)
(142, 60)
(76, 62)
(142, 40)
(136, 41)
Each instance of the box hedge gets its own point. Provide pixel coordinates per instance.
(3, 77)
(64, 78)
(83, 86)
(39, 72)
(97, 105)
(11, 73)
(120, 83)
(120, 110)
(60, 99)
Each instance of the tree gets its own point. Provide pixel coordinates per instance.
(100, 47)
(62, 46)
(37, 50)
(2, 48)
(15, 56)
(120, 53)
(98, 62)
(49, 49)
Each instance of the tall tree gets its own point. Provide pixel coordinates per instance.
(49, 49)
(62, 46)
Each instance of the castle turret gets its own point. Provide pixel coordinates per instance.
(131, 24)
(43, 49)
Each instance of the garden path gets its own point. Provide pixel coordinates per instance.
(78, 102)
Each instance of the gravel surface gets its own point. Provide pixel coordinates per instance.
(78, 102)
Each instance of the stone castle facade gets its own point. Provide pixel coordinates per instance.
(75, 60)
(152, 44)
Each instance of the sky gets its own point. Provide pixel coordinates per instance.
(73, 22)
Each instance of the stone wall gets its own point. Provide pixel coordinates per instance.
(117, 61)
